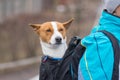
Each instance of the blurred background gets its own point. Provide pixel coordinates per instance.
(20, 50)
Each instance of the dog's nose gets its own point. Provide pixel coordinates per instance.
(58, 39)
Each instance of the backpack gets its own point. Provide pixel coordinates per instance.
(65, 69)
(68, 68)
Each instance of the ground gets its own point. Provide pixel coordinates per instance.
(25, 74)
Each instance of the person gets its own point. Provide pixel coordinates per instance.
(98, 46)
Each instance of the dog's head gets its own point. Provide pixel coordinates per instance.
(53, 33)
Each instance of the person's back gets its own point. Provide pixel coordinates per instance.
(98, 59)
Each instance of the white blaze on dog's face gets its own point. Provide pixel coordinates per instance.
(59, 34)
(53, 33)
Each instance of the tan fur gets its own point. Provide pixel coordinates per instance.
(45, 34)
(61, 29)
(45, 30)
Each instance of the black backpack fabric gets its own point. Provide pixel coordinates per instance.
(69, 65)
(67, 68)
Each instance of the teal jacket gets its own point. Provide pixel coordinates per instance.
(99, 49)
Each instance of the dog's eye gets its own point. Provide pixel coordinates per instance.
(61, 29)
(48, 30)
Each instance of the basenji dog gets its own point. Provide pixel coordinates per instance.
(52, 37)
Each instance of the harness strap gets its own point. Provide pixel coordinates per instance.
(116, 48)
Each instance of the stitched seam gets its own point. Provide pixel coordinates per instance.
(100, 58)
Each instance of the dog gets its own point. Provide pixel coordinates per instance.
(52, 37)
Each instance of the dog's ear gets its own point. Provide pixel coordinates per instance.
(67, 23)
(35, 26)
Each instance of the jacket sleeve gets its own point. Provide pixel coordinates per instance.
(97, 61)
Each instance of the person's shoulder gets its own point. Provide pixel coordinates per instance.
(93, 38)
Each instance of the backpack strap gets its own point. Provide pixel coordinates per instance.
(116, 48)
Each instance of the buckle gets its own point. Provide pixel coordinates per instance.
(44, 58)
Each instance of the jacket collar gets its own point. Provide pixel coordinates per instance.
(109, 19)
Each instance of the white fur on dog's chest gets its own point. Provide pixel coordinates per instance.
(53, 51)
